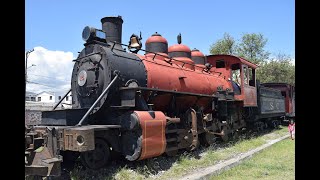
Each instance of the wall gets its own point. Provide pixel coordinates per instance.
(32, 117)
(33, 111)
(45, 97)
(38, 106)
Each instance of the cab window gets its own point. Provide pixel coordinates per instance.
(249, 76)
(235, 74)
(245, 75)
(220, 64)
(252, 77)
(236, 78)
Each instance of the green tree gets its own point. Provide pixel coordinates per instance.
(252, 47)
(278, 69)
(226, 45)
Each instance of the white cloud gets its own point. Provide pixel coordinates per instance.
(52, 71)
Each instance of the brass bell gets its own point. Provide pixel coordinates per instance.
(134, 42)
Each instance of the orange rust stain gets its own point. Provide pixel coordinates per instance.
(153, 134)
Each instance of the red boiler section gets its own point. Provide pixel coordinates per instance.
(162, 75)
(174, 70)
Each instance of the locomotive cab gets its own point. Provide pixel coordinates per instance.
(240, 74)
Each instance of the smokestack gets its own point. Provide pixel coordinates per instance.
(112, 26)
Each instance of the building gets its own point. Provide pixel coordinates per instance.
(46, 97)
(45, 101)
(66, 102)
(30, 96)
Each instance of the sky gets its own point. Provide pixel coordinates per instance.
(54, 29)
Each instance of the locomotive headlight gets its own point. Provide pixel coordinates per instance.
(90, 33)
(87, 33)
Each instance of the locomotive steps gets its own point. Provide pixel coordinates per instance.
(201, 163)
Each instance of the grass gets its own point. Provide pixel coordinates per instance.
(275, 162)
(213, 155)
(175, 167)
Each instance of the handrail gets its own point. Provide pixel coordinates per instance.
(157, 54)
(99, 98)
(61, 100)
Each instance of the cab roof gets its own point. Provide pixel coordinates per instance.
(235, 58)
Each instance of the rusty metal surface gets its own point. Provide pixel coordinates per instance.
(153, 133)
(43, 143)
(172, 120)
(78, 140)
(250, 96)
(44, 165)
(82, 138)
(194, 127)
(41, 152)
(36, 170)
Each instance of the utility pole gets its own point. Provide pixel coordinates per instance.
(26, 74)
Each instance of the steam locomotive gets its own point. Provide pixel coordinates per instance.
(143, 106)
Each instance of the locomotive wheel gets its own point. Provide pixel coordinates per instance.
(70, 155)
(258, 126)
(98, 157)
(172, 153)
(262, 126)
(69, 159)
(226, 135)
(207, 139)
(235, 135)
(274, 124)
(225, 138)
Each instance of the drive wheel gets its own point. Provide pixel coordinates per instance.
(207, 139)
(275, 124)
(98, 157)
(225, 138)
(172, 153)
